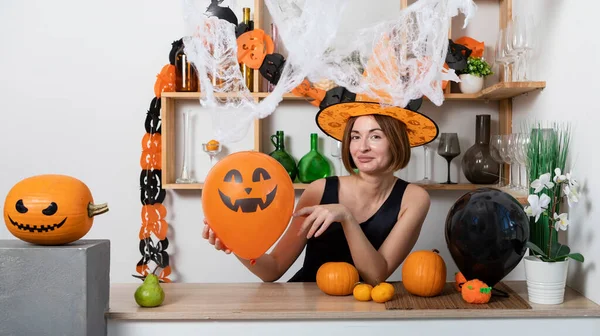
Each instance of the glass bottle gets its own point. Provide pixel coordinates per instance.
(279, 154)
(186, 78)
(247, 72)
(313, 165)
(478, 164)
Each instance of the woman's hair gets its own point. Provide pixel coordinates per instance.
(394, 130)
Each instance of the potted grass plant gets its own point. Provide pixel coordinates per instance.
(547, 265)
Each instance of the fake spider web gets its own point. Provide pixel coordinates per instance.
(393, 62)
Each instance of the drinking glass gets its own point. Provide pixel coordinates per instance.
(449, 148)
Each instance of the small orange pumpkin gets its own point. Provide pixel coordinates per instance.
(459, 280)
(476, 291)
(337, 278)
(424, 273)
(50, 209)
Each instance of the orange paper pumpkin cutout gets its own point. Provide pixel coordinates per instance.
(476, 47)
(248, 199)
(306, 89)
(253, 47)
(165, 80)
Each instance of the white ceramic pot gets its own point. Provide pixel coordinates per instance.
(470, 83)
(546, 281)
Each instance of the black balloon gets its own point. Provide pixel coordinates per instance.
(486, 233)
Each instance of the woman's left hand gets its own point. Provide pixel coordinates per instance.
(320, 217)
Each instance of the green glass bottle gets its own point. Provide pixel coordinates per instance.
(313, 165)
(279, 154)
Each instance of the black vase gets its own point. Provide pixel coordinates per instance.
(477, 163)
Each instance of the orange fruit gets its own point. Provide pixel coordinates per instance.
(382, 292)
(362, 292)
(212, 145)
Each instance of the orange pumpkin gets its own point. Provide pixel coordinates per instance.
(424, 273)
(248, 199)
(337, 278)
(459, 281)
(476, 291)
(50, 209)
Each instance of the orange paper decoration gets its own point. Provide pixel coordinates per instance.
(248, 199)
(253, 47)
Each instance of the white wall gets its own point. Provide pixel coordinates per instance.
(74, 71)
(568, 48)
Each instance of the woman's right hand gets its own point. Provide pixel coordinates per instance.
(209, 234)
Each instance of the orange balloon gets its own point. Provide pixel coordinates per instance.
(248, 200)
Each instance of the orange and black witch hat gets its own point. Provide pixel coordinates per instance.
(339, 104)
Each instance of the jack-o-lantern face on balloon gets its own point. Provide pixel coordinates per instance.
(248, 199)
(50, 209)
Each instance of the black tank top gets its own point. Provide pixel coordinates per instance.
(331, 245)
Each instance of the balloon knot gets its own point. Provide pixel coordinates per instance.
(252, 262)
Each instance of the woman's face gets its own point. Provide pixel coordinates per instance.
(369, 147)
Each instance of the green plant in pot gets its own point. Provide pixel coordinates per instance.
(471, 78)
(549, 186)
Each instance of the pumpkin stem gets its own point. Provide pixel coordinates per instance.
(97, 209)
(436, 251)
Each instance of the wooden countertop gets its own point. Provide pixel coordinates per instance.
(285, 301)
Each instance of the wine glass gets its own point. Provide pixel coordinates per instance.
(495, 145)
(503, 54)
(212, 148)
(506, 155)
(449, 148)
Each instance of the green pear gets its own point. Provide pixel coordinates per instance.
(149, 293)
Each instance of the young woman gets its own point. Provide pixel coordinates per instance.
(370, 219)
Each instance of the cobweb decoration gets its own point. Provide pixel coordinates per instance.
(392, 62)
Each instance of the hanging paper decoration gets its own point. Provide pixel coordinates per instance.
(307, 28)
(153, 240)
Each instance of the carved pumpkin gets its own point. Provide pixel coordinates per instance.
(424, 273)
(248, 199)
(50, 209)
(476, 291)
(459, 281)
(337, 278)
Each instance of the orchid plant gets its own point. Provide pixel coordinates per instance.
(543, 205)
(546, 157)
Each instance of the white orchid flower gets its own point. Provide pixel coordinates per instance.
(572, 194)
(558, 178)
(572, 181)
(543, 181)
(562, 221)
(537, 205)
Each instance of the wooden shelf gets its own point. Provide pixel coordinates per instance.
(499, 91)
(438, 186)
(196, 95)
